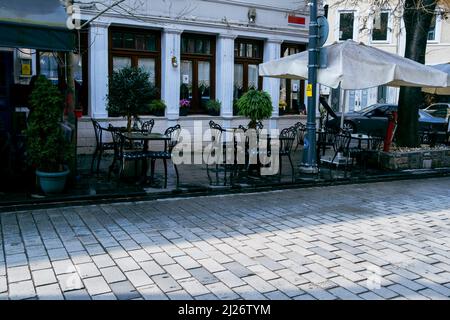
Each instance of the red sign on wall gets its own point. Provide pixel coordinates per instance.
(296, 20)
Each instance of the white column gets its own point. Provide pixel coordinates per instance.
(170, 71)
(272, 51)
(98, 69)
(225, 73)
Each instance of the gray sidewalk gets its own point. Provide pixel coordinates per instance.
(369, 241)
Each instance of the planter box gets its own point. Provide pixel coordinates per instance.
(417, 159)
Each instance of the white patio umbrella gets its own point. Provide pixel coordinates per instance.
(444, 67)
(356, 66)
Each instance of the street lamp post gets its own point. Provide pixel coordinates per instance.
(309, 162)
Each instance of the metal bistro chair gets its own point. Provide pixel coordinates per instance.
(147, 126)
(122, 155)
(341, 146)
(100, 146)
(217, 139)
(174, 134)
(375, 144)
(287, 138)
(301, 128)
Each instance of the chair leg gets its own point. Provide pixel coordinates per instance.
(99, 159)
(292, 168)
(281, 168)
(111, 167)
(94, 155)
(176, 172)
(152, 170)
(165, 173)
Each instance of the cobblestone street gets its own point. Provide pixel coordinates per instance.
(367, 241)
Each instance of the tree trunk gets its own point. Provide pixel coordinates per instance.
(417, 17)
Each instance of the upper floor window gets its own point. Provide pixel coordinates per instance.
(433, 29)
(346, 24)
(380, 27)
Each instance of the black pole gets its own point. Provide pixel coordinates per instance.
(309, 163)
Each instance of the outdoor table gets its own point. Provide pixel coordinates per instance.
(360, 138)
(146, 137)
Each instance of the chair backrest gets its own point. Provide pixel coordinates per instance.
(259, 125)
(216, 131)
(342, 142)
(174, 134)
(98, 131)
(147, 126)
(301, 128)
(241, 127)
(118, 141)
(287, 137)
(375, 143)
(137, 125)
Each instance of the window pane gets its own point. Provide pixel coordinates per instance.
(242, 49)
(380, 27)
(117, 39)
(253, 76)
(432, 31)
(207, 46)
(151, 43)
(141, 42)
(148, 65)
(346, 26)
(204, 84)
(49, 66)
(198, 46)
(129, 41)
(191, 46)
(249, 50)
(121, 62)
(186, 80)
(238, 81)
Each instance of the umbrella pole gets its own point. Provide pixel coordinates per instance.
(343, 108)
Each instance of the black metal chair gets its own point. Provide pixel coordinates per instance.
(122, 155)
(341, 147)
(174, 134)
(287, 138)
(147, 126)
(218, 141)
(301, 129)
(100, 146)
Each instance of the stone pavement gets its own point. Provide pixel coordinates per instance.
(367, 241)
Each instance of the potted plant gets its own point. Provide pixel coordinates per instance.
(129, 92)
(184, 107)
(282, 107)
(213, 107)
(157, 107)
(47, 149)
(256, 105)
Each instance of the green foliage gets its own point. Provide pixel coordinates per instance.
(130, 91)
(213, 105)
(256, 105)
(157, 105)
(47, 150)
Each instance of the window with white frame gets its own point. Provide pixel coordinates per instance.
(380, 27)
(346, 25)
(432, 32)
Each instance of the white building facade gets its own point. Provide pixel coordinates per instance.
(195, 50)
(384, 29)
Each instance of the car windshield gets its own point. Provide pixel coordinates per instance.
(368, 109)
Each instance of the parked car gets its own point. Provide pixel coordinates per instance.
(441, 110)
(373, 120)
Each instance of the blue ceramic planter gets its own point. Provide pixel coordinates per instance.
(52, 182)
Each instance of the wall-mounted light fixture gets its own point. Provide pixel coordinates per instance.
(174, 62)
(252, 15)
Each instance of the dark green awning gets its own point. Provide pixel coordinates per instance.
(35, 24)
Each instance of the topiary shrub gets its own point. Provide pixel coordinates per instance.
(47, 149)
(130, 91)
(256, 105)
